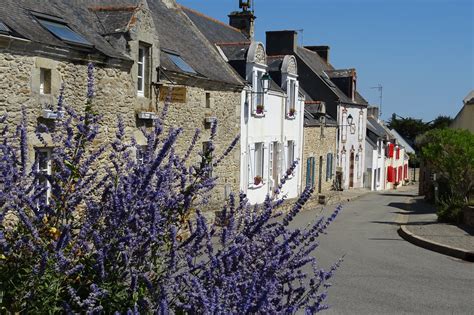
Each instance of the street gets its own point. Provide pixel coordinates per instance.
(382, 273)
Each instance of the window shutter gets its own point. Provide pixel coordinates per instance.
(280, 158)
(270, 166)
(313, 171)
(285, 159)
(251, 163)
(390, 150)
(265, 163)
(328, 167)
(308, 172)
(288, 96)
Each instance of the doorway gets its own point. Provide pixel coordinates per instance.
(351, 170)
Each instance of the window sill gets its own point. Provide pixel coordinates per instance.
(51, 114)
(253, 186)
(258, 115)
(292, 117)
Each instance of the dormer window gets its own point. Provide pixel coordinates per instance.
(292, 97)
(59, 28)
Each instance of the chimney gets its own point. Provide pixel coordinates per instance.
(244, 21)
(281, 42)
(373, 111)
(322, 51)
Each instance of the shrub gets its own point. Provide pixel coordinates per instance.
(129, 236)
(450, 210)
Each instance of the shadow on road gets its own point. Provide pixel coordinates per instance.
(399, 195)
(397, 223)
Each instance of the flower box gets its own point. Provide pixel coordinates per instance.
(257, 180)
(51, 114)
(292, 113)
(147, 115)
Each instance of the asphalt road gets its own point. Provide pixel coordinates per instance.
(382, 273)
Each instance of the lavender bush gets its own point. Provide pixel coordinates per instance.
(117, 235)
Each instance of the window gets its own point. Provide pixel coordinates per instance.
(142, 75)
(291, 154)
(292, 97)
(61, 30)
(329, 166)
(45, 81)
(180, 63)
(43, 160)
(259, 159)
(361, 126)
(259, 95)
(208, 100)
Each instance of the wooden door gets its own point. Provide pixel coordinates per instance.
(351, 171)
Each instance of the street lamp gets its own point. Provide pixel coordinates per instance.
(265, 79)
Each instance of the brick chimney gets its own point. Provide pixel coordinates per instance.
(244, 21)
(281, 42)
(322, 51)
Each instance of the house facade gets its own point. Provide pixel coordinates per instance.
(376, 141)
(140, 52)
(319, 151)
(337, 89)
(272, 111)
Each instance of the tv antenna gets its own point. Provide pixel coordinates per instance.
(379, 87)
(245, 5)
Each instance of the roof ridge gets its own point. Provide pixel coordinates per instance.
(209, 18)
(100, 8)
(232, 43)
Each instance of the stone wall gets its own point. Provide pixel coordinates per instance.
(223, 105)
(115, 95)
(319, 141)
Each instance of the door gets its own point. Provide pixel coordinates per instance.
(351, 170)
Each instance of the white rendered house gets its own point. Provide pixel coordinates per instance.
(271, 126)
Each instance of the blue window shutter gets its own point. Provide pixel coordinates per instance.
(308, 172)
(313, 171)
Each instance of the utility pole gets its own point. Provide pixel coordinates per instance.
(379, 87)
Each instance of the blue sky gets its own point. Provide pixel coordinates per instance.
(421, 51)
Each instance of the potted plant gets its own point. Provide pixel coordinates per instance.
(292, 112)
(259, 109)
(257, 180)
(395, 185)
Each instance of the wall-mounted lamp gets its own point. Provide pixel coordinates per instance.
(265, 80)
(349, 120)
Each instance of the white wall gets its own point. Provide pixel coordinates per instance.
(272, 127)
(352, 139)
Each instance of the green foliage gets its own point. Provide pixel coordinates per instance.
(409, 128)
(450, 210)
(441, 122)
(450, 154)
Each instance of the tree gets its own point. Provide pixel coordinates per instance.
(441, 122)
(129, 236)
(409, 128)
(450, 154)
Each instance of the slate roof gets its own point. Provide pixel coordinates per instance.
(402, 142)
(214, 30)
(177, 33)
(18, 16)
(322, 69)
(377, 128)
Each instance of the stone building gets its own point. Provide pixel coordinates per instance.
(272, 108)
(465, 118)
(140, 48)
(320, 134)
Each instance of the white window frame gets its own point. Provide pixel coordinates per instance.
(360, 127)
(47, 170)
(291, 153)
(258, 91)
(142, 64)
(344, 126)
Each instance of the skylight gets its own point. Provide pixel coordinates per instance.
(63, 32)
(4, 29)
(180, 63)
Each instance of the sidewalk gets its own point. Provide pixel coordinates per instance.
(419, 226)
